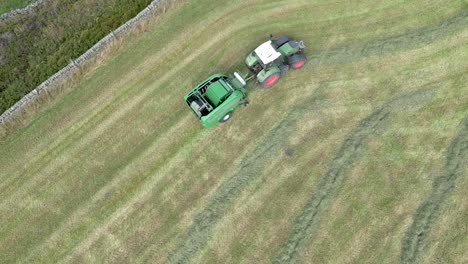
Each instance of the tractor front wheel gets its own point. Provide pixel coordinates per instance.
(226, 117)
(297, 61)
(270, 80)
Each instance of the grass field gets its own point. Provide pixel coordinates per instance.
(8, 5)
(359, 157)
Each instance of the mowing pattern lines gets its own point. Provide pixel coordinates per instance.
(84, 136)
(80, 132)
(113, 108)
(427, 213)
(65, 168)
(113, 177)
(350, 151)
(406, 41)
(142, 155)
(250, 169)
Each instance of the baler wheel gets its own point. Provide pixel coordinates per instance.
(226, 117)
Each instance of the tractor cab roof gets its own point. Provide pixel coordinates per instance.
(267, 53)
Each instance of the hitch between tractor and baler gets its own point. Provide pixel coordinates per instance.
(250, 77)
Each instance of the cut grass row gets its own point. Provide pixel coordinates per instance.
(428, 212)
(351, 150)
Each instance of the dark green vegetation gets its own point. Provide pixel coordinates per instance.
(35, 46)
(8, 5)
(356, 158)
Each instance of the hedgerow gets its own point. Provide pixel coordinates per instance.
(35, 46)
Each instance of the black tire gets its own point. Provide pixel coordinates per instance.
(297, 61)
(281, 41)
(226, 117)
(284, 68)
(270, 80)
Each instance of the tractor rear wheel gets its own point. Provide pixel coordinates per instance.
(270, 80)
(226, 117)
(297, 61)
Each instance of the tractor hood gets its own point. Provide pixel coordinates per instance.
(251, 59)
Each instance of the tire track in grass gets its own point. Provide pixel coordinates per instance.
(200, 231)
(428, 212)
(250, 169)
(351, 150)
(406, 41)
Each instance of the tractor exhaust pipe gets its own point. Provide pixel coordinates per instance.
(301, 45)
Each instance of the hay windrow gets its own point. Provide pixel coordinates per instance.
(379, 47)
(351, 150)
(428, 212)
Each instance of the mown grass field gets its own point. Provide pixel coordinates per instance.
(359, 157)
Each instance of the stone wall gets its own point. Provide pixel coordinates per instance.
(74, 65)
(28, 9)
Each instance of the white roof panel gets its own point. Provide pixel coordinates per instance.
(267, 53)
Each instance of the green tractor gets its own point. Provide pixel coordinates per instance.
(274, 57)
(214, 99)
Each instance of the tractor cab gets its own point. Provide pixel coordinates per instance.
(266, 53)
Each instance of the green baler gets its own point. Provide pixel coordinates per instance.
(214, 99)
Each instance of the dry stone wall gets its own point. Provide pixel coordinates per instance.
(74, 65)
(25, 10)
